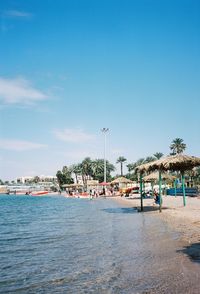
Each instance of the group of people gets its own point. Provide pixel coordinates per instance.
(94, 193)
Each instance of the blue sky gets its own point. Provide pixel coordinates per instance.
(69, 68)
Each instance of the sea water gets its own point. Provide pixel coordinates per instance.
(62, 245)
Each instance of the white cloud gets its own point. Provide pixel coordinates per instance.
(73, 135)
(16, 14)
(18, 145)
(19, 91)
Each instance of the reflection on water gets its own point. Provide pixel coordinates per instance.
(120, 210)
(60, 245)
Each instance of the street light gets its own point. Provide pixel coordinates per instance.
(104, 131)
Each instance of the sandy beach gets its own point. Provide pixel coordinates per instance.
(185, 220)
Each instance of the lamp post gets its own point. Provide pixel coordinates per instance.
(104, 131)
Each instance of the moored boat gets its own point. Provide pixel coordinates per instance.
(39, 193)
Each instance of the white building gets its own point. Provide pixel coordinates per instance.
(24, 180)
(42, 178)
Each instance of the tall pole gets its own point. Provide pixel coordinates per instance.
(183, 187)
(141, 194)
(175, 187)
(160, 191)
(105, 130)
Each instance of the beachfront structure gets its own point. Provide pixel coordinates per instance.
(178, 162)
(79, 179)
(24, 180)
(42, 178)
(3, 189)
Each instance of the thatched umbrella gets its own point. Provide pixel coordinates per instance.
(144, 167)
(177, 162)
(121, 180)
(155, 176)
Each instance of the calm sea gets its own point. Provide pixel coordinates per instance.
(62, 245)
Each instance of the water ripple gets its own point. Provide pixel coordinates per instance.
(60, 245)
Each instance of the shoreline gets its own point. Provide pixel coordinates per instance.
(184, 220)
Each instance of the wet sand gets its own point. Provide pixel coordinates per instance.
(185, 220)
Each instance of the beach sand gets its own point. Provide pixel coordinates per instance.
(185, 220)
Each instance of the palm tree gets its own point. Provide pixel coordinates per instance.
(130, 167)
(177, 146)
(121, 160)
(64, 177)
(86, 169)
(109, 168)
(149, 159)
(97, 168)
(139, 161)
(158, 155)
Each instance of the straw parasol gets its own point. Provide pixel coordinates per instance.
(178, 162)
(121, 180)
(155, 176)
(144, 167)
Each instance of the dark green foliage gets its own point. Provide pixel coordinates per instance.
(177, 146)
(87, 169)
(64, 176)
(158, 155)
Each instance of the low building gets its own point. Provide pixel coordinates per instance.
(42, 178)
(24, 180)
(3, 189)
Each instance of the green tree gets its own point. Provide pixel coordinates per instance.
(132, 175)
(64, 176)
(130, 167)
(36, 179)
(86, 169)
(139, 162)
(98, 170)
(158, 155)
(61, 178)
(121, 161)
(109, 168)
(177, 146)
(67, 175)
(1, 182)
(149, 159)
